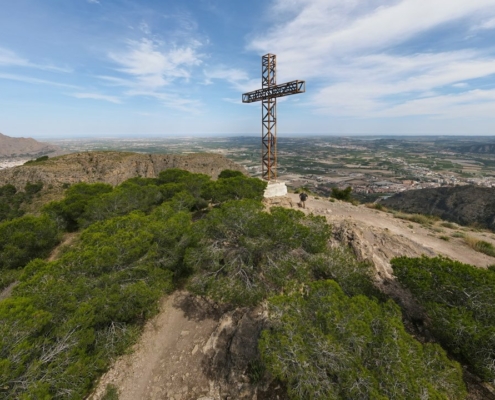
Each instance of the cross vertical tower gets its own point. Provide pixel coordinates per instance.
(269, 119)
(268, 96)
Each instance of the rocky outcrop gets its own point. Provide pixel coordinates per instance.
(112, 167)
(464, 205)
(231, 358)
(11, 147)
(376, 245)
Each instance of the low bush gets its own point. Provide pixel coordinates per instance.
(25, 238)
(67, 319)
(342, 194)
(458, 299)
(326, 345)
(245, 253)
(480, 245)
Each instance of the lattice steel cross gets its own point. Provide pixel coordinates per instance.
(268, 96)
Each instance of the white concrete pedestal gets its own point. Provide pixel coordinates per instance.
(275, 189)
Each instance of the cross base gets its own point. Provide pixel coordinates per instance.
(275, 189)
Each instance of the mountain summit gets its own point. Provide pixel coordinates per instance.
(25, 147)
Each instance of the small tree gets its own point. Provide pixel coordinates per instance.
(342, 194)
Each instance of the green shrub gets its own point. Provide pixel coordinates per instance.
(25, 238)
(68, 211)
(33, 188)
(37, 160)
(245, 253)
(111, 393)
(229, 173)
(458, 299)
(325, 345)
(234, 188)
(342, 194)
(68, 319)
(13, 202)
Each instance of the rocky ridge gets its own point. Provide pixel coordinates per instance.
(112, 167)
(461, 204)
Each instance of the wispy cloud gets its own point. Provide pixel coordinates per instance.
(97, 96)
(237, 78)
(9, 58)
(487, 24)
(359, 54)
(36, 81)
(93, 1)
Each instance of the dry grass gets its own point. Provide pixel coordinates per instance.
(418, 218)
(480, 245)
(376, 206)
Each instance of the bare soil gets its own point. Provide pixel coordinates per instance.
(166, 363)
(424, 239)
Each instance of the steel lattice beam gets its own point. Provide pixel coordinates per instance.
(268, 96)
(285, 89)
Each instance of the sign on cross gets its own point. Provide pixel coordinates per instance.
(268, 96)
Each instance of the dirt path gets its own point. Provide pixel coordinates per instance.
(67, 240)
(425, 238)
(166, 363)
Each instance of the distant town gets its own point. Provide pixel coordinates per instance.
(373, 167)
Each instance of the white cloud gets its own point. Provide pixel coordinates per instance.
(151, 66)
(237, 78)
(97, 96)
(93, 1)
(355, 54)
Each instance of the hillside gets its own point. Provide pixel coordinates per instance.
(111, 167)
(170, 359)
(464, 205)
(227, 296)
(11, 147)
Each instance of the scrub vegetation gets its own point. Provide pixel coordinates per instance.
(331, 334)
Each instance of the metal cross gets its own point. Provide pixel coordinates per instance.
(268, 96)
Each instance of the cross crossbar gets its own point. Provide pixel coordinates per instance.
(271, 92)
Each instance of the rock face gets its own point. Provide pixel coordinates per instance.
(229, 355)
(11, 147)
(376, 245)
(112, 167)
(461, 204)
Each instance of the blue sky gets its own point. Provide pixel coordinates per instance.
(78, 68)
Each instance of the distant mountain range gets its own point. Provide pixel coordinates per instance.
(11, 147)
